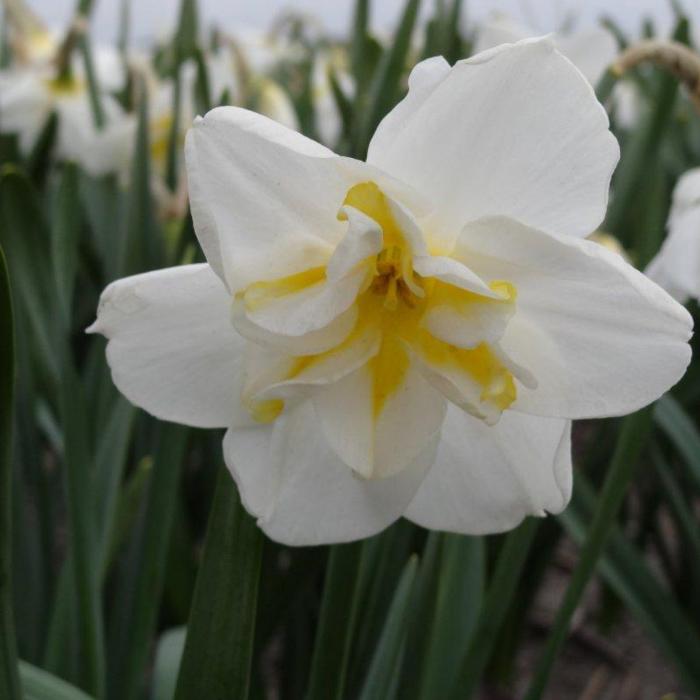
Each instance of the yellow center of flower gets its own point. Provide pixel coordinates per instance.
(394, 302)
(65, 86)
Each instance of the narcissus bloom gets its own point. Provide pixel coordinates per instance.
(28, 96)
(676, 267)
(411, 335)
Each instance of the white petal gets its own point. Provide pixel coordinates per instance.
(308, 310)
(514, 131)
(676, 266)
(599, 337)
(378, 446)
(486, 479)
(362, 240)
(425, 77)
(25, 104)
(264, 198)
(327, 368)
(467, 325)
(686, 193)
(303, 494)
(310, 343)
(172, 349)
(452, 272)
(458, 388)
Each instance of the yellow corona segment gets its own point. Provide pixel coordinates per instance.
(265, 411)
(258, 294)
(393, 305)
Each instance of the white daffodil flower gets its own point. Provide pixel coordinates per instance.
(29, 96)
(676, 266)
(410, 336)
(590, 50)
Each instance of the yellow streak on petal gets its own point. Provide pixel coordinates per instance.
(388, 369)
(479, 363)
(265, 411)
(258, 294)
(506, 290)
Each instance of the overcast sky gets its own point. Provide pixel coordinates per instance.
(155, 17)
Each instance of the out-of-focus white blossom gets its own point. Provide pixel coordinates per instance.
(29, 96)
(676, 267)
(590, 50)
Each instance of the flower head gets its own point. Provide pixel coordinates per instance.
(411, 335)
(676, 267)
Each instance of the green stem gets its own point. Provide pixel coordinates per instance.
(9, 677)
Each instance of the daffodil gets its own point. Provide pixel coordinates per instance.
(411, 335)
(29, 96)
(676, 267)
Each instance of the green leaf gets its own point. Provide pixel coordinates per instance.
(218, 653)
(424, 597)
(384, 670)
(40, 685)
(79, 485)
(168, 656)
(135, 606)
(460, 577)
(633, 436)
(342, 102)
(94, 93)
(501, 589)
(605, 86)
(651, 219)
(173, 145)
(141, 242)
(9, 680)
(131, 498)
(670, 416)
(625, 569)
(64, 238)
(23, 233)
(110, 463)
(105, 206)
(187, 31)
(341, 598)
(78, 471)
(39, 159)
(203, 84)
(386, 85)
(387, 554)
(681, 509)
